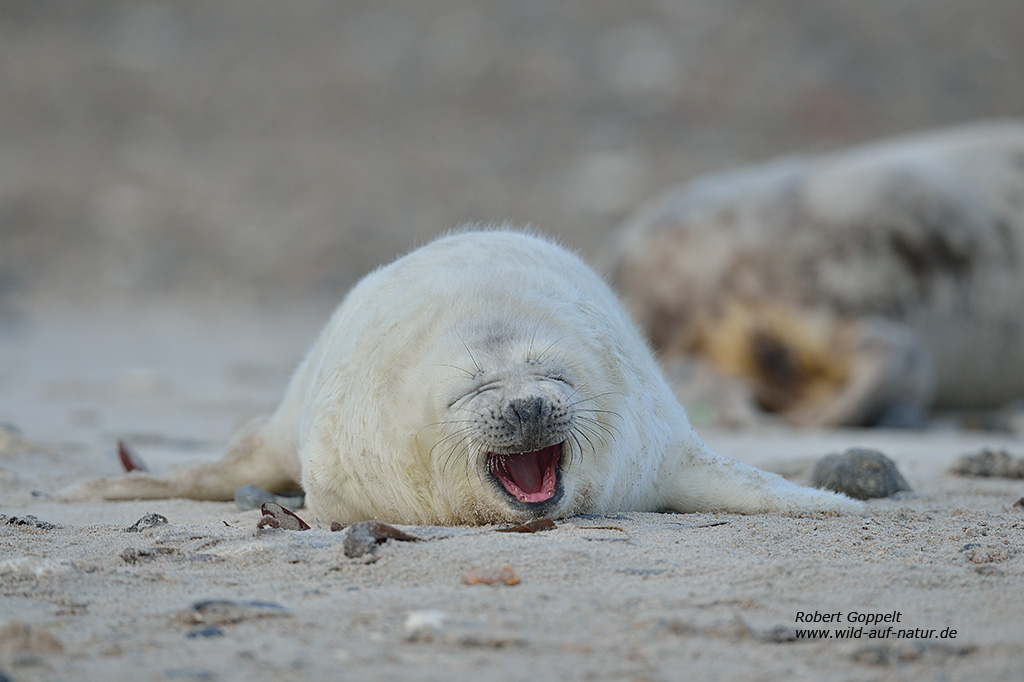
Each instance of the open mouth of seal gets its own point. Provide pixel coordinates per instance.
(529, 477)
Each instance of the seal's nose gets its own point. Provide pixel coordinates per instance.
(529, 417)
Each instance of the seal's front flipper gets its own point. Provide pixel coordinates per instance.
(706, 481)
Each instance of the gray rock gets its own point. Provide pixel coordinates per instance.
(291, 499)
(987, 462)
(150, 520)
(250, 496)
(860, 473)
(29, 521)
(362, 538)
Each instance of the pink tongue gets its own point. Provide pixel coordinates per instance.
(525, 471)
(528, 476)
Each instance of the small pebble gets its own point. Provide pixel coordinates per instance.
(251, 496)
(860, 473)
(978, 553)
(150, 520)
(293, 499)
(28, 520)
(134, 555)
(363, 537)
(998, 463)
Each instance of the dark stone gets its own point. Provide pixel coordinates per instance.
(997, 463)
(860, 473)
(293, 499)
(363, 537)
(250, 496)
(148, 521)
(28, 520)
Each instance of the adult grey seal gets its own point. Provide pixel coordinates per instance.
(839, 287)
(486, 377)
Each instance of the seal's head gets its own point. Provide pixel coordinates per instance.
(515, 420)
(517, 415)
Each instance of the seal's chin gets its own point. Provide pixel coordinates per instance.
(529, 477)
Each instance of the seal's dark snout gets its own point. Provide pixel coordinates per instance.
(529, 417)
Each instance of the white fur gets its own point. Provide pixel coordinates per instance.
(373, 419)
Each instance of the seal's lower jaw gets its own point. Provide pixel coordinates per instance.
(531, 479)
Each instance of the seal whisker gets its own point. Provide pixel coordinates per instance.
(594, 410)
(480, 466)
(544, 353)
(579, 430)
(456, 438)
(610, 429)
(595, 429)
(459, 447)
(456, 367)
(451, 422)
(465, 345)
(466, 409)
(529, 347)
(593, 397)
(452, 441)
(575, 390)
(574, 448)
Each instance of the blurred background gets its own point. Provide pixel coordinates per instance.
(264, 150)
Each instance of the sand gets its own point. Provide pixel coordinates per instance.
(154, 150)
(627, 597)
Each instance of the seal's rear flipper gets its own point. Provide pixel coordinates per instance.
(254, 457)
(709, 482)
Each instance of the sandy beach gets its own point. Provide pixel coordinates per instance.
(187, 190)
(626, 597)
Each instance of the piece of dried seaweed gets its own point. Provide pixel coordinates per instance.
(276, 516)
(535, 526)
(129, 460)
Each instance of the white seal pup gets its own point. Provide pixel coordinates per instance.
(489, 376)
(842, 285)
